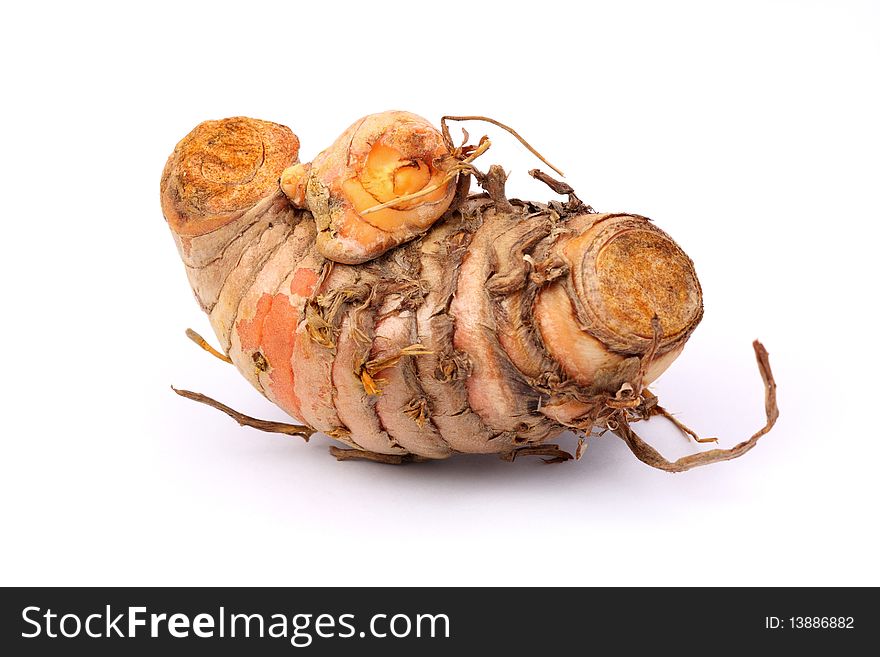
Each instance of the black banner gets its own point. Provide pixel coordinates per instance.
(278, 621)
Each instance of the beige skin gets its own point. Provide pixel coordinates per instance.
(513, 311)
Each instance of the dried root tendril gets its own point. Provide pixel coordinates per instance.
(554, 453)
(646, 361)
(445, 130)
(685, 430)
(199, 340)
(647, 454)
(243, 420)
(343, 454)
(574, 205)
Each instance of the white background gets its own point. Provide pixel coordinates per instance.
(748, 131)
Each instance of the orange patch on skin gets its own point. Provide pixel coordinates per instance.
(303, 283)
(272, 331)
(250, 330)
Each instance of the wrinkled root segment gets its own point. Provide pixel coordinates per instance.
(245, 420)
(554, 453)
(342, 454)
(647, 454)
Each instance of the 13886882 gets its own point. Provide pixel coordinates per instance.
(822, 622)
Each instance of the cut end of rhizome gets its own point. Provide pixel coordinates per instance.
(222, 169)
(631, 274)
(629, 290)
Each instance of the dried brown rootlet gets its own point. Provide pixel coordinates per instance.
(493, 329)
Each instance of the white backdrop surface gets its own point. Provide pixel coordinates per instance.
(749, 131)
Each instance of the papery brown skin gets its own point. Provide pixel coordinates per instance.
(526, 315)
